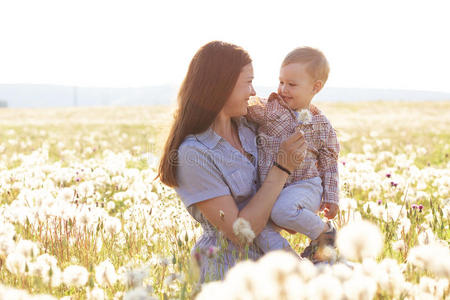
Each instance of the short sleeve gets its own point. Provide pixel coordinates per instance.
(198, 177)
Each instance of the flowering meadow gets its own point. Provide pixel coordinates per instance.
(81, 216)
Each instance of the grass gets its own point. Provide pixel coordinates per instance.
(378, 134)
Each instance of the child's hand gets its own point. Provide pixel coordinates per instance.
(255, 100)
(330, 209)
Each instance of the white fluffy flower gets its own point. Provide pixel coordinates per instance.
(404, 226)
(275, 274)
(135, 278)
(435, 287)
(86, 189)
(307, 270)
(27, 248)
(426, 237)
(347, 204)
(56, 277)
(48, 259)
(433, 257)
(110, 205)
(15, 263)
(7, 245)
(390, 277)
(7, 230)
(39, 269)
(85, 217)
(66, 194)
(279, 261)
(76, 276)
(112, 225)
(342, 272)
(105, 273)
(242, 278)
(324, 287)
(138, 294)
(360, 287)
(243, 230)
(7, 293)
(399, 245)
(213, 290)
(95, 294)
(359, 240)
(305, 116)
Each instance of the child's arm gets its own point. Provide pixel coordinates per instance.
(256, 110)
(328, 169)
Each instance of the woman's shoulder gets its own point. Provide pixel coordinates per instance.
(191, 145)
(189, 142)
(200, 141)
(200, 146)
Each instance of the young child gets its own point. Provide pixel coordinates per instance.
(313, 185)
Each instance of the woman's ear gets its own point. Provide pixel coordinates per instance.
(318, 85)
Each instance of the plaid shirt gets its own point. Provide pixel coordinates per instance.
(276, 122)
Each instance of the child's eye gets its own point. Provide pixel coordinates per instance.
(291, 84)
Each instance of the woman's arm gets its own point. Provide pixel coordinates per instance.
(257, 211)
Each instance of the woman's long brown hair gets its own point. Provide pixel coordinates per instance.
(210, 79)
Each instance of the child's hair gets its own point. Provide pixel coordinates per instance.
(317, 67)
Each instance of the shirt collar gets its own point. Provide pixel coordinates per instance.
(210, 138)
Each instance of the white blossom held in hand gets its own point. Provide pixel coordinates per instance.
(243, 230)
(305, 116)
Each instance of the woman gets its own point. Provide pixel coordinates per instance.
(210, 156)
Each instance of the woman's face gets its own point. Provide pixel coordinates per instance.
(237, 103)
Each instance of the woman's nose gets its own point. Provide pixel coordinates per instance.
(252, 91)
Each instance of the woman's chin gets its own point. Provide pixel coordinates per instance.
(241, 113)
(244, 110)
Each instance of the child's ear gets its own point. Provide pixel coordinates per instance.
(318, 85)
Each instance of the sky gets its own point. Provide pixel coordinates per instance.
(391, 44)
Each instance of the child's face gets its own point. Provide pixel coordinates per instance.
(296, 86)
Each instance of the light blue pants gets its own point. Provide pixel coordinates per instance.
(296, 209)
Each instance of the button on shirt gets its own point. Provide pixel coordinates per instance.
(210, 167)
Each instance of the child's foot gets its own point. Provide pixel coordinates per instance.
(315, 247)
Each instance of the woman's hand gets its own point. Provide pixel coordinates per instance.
(292, 151)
